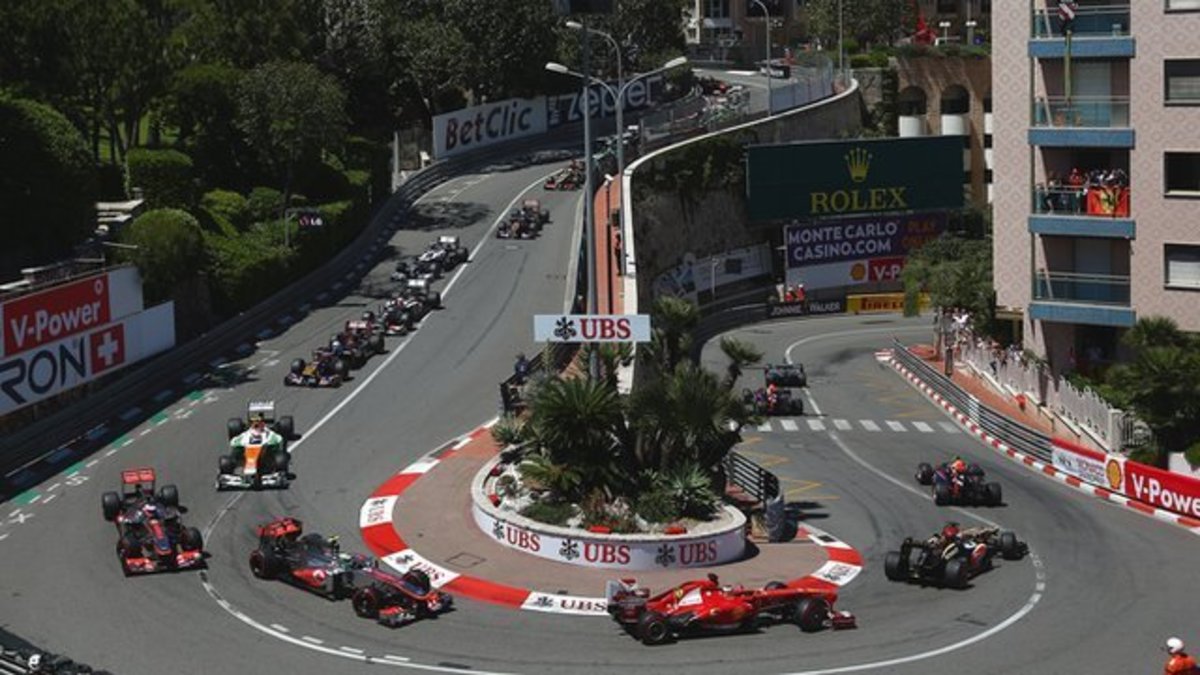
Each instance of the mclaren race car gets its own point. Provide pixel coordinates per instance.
(151, 535)
(787, 375)
(962, 485)
(258, 454)
(953, 556)
(326, 369)
(706, 606)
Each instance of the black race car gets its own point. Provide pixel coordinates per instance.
(952, 556)
(326, 369)
(779, 402)
(964, 486)
(151, 535)
(786, 375)
(316, 564)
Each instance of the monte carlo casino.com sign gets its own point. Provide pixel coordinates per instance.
(852, 211)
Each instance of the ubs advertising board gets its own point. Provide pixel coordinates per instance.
(831, 253)
(832, 179)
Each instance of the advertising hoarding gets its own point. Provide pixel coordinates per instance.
(873, 249)
(829, 179)
(484, 125)
(591, 328)
(45, 316)
(565, 108)
(51, 368)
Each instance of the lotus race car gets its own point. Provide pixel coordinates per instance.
(151, 536)
(953, 556)
(258, 454)
(967, 487)
(781, 402)
(788, 375)
(708, 607)
(316, 564)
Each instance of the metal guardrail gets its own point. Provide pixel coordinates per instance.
(749, 476)
(553, 358)
(1016, 435)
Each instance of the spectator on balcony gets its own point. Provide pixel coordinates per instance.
(1076, 183)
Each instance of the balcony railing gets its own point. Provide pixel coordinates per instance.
(1106, 21)
(1103, 289)
(1081, 112)
(1102, 202)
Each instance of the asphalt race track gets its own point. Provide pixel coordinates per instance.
(1106, 585)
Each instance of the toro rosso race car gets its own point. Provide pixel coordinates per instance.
(957, 482)
(788, 375)
(326, 369)
(258, 454)
(151, 537)
(708, 607)
(316, 564)
(773, 401)
(952, 556)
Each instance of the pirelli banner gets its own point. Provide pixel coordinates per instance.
(831, 179)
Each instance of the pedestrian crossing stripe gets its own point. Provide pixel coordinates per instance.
(923, 427)
(788, 425)
(842, 425)
(816, 425)
(895, 426)
(869, 425)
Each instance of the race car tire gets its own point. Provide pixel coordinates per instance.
(264, 564)
(924, 473)
(797, 406)
(652, 629)
(434, 299)
(280, 458)
(286, 427)
(190, 539)
(226, 465)
(297, 366)
(419, 579)
(893, 566)
(376, 344)
(915, 557)
(463, 254)
(955, 574)
(340, 367)
(775, 585)
(110, 505)
(366, 603)
(235, 426)
(811, 614)
(169, 495)
(994, 495)
(1010, 548)
(941, 494)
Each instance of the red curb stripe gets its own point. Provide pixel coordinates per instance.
(1073, 481)
(1138, 506)
(383, 540)
(477, 433)
(1188, 520)
(848, 556)
(1049, 470)
(479, 589)
(813, 584)
(395, 485)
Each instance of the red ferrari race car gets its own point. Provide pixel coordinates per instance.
(708, 607)
(152, 537)
(316, 564)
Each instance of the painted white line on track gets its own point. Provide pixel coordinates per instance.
(54, 487)
(923, 427)
(869, 425)
(281, 629)
(393, 657)
(352, 650)
(842, 425)
(812, 402)
(306, 638)
(816, 425)
(47, 500)
(92, 463)
(949, 427)
(788, 425)
(895, 426)
(765, 426)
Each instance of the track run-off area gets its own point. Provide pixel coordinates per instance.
(1101, 589)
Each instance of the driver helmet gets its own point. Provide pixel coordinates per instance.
(368, 316)
(150, 509)
(958, 466)
(258, 422)
(950, 531)
(1174, 645)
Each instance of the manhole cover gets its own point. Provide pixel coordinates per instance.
(464, 560)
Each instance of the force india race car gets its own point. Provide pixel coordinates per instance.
(953, 556)
(782, 402)
(316, 564)
(966, 487)
(708, 607)
(788, 375)
(151, 536)
(325, 370)
(258, 454)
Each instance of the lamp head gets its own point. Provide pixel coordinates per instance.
(574, 25)
(556, 68)
(675, 62)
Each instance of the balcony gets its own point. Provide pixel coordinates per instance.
(1099, 32)
(1082, 212)
(1069, 297)
(1081, 121)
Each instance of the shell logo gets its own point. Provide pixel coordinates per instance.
(1113, 472)
(858, 272)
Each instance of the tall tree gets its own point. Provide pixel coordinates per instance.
(287, 111)
(1161, 383)
(956, 272)
(879, 22)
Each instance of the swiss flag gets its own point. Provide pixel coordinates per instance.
(107, 348)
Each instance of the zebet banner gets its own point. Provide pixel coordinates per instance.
(591, 328)
(566, 108)
(829, 179)
(483, 125)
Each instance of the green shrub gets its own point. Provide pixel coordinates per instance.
(691, 489)
(247, 268)
(264, 204)
(165, 176)
(551, 513)
(169, 250)
(850, 45)
(657, 506)
(507, 431)
(1192, 455)
(322, 181)
(880, 59)
(215, 222)
(229, 205)
(1150, 455)
(861, 61)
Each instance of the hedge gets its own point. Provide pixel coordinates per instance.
(170, 250)
(165, 177)
(264, 204)
(229, 205)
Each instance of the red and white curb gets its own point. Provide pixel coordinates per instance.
(1050, 470)
(381, 537)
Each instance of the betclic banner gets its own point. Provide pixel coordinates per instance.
(488, 124)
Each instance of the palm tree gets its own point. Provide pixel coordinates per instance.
(671, 341)
(578, 423)
(741, 354)
(1155, 331)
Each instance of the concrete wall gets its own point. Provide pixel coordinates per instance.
(668, 225)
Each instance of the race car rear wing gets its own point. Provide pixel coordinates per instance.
(264, 408)
(137, 476)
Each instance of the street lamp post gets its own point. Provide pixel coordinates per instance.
(841, 44)
(575, 25)
(767, 29)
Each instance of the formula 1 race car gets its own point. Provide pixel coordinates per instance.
(152, 537)
(963, 487)
(782, 402)
(448, 252)
(788, 375)
(952, 557)
(708, 607)
(316, 564)
(418, 291)
(326, 369)
(258, 454)
(532, 211)
(358, 342)
(568, 178)
(517, 226)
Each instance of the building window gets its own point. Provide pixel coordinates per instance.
(717, 9)
(1182, 265)
(1182, 174)
(1182, 5)
(947, 6)
(1183, 81)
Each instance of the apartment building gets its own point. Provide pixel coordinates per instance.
(1096, 150)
